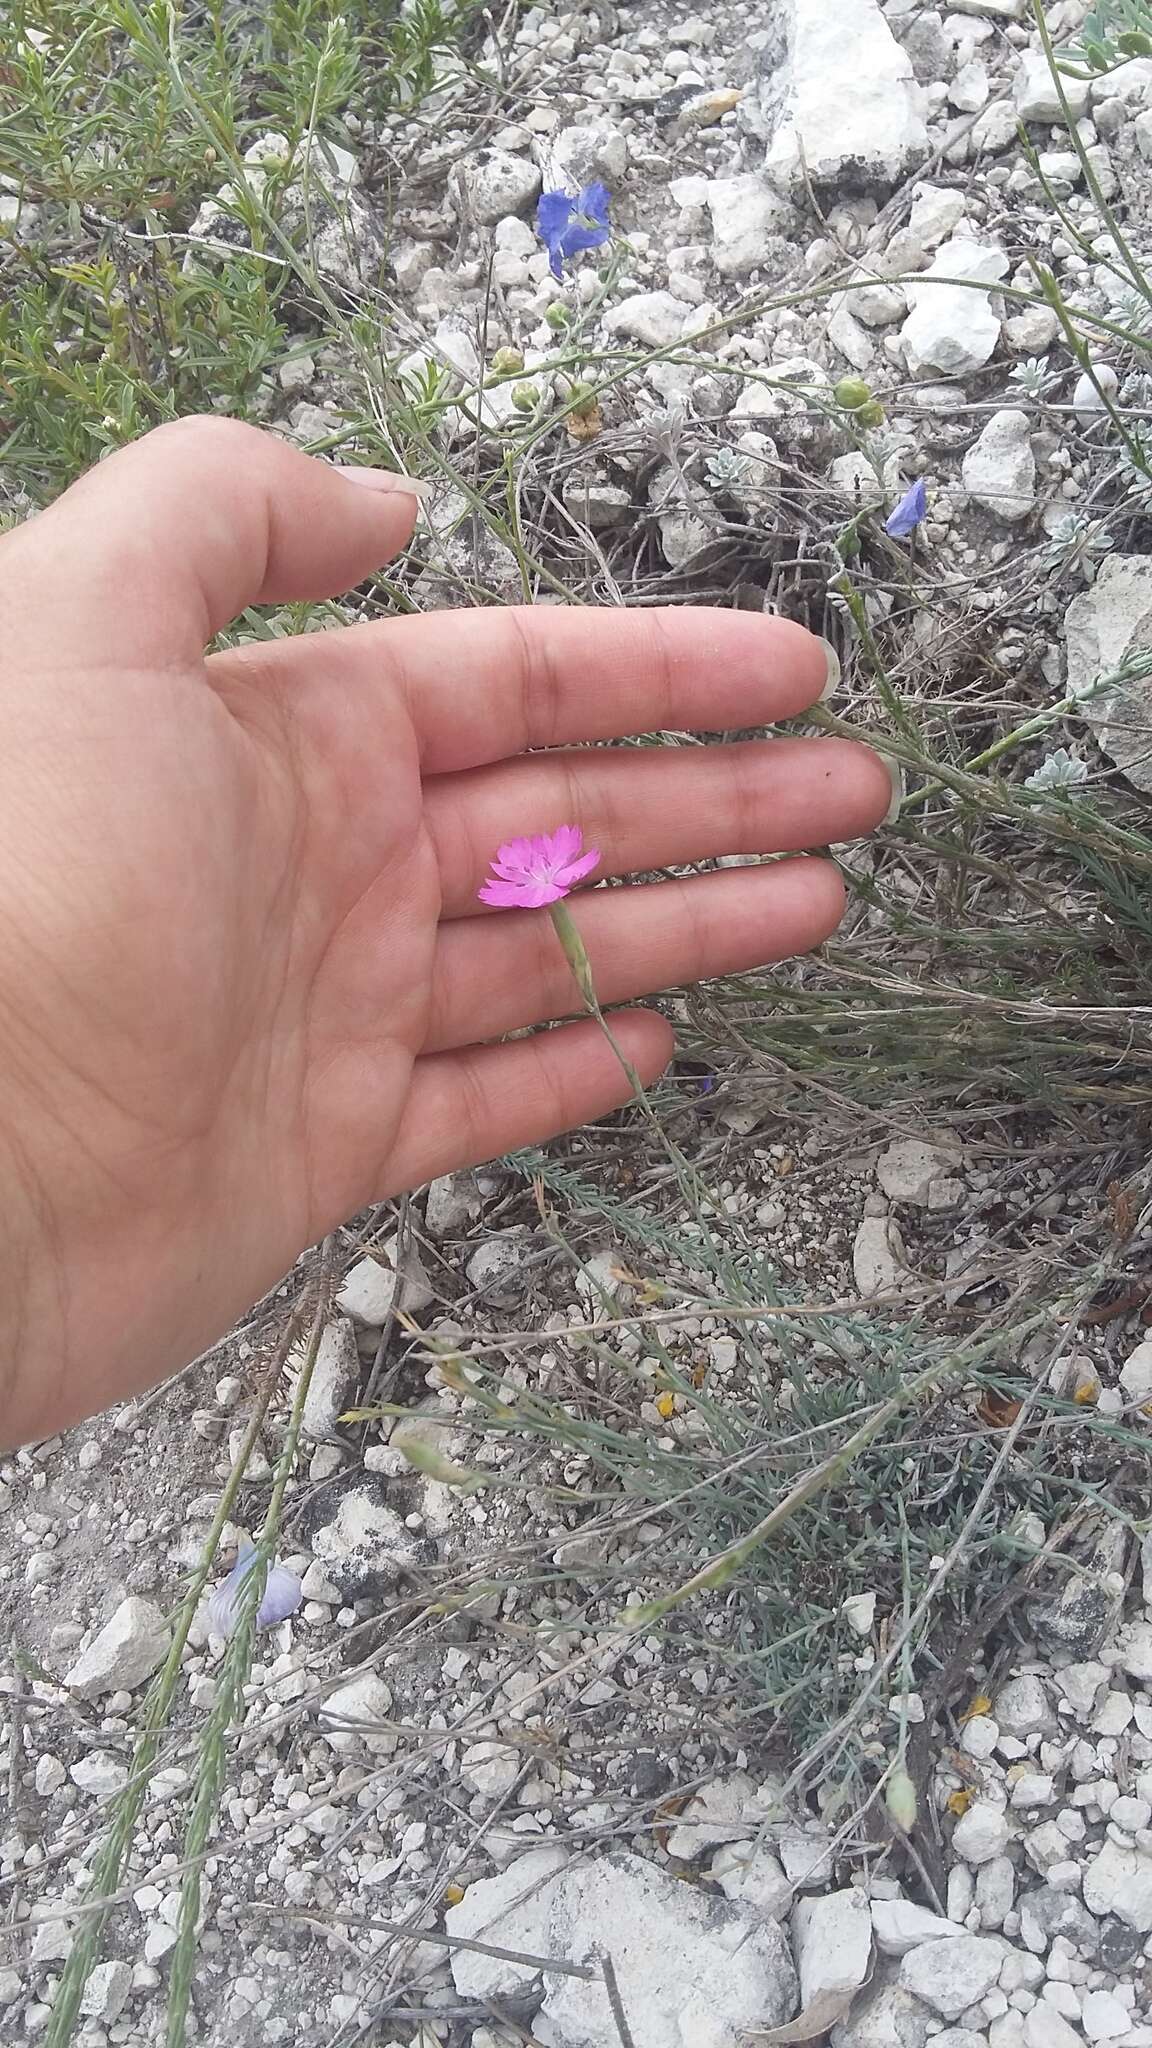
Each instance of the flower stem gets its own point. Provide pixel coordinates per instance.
(692, 1187)
(568, 933)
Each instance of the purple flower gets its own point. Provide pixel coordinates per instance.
(566, 225)
(908, 513)
(281, 1596)
(529, 872)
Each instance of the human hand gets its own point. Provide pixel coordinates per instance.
(245, 984)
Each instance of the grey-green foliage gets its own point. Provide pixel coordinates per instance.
(1111, 32)
(117, 119)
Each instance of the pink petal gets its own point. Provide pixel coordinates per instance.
(541, 848)
(504, 894)
(566, 842)
(576, 870)
(515, 853)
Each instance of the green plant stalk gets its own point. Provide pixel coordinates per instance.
(1029, 730)
(106, 1877)
(1072, 336)
(1090, 179)
(568, 933)
(721, 1569)
(1001, 800)
(889, 697)
(233, 1677)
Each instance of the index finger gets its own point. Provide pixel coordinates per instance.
(483, 685)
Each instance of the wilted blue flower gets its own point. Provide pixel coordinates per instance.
(566, 225)
(908, 513)
(281, 1596)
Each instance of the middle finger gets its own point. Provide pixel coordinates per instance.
(656, 807)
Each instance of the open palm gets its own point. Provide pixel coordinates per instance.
(245, 982)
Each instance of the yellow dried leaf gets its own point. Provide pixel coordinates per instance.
(586, 424)
(666, 1406)
(1087, 1394)
(980, 1705)
(959, 1802)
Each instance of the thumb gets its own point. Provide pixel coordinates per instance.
(162, 544)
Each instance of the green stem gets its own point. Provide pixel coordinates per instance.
(228, 1703)
(106, 1877)
(568, 933)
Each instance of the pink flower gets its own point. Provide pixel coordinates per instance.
(529, 872)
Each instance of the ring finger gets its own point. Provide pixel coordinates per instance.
(499, 974)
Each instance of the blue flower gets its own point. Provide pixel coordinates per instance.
(566, 225)
(908, 513)
(281, 1596)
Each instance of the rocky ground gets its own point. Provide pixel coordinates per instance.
(478, 1795)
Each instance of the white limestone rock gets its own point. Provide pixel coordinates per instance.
(497, 1268)
(999, 470)
(1037, 98)
(936, 211)
(490, 1768)
(1104, 624)
(837, 104)
(752, 1877)
(907, 1170)
(949, 1976)
(588, 152)
(335, 1376)
(1136, 1374)
(361, 1541)
(349, 1718)
(951, 328)
(691, 1968)
(877, 1256)
(107, 1991)
(132, 1644)
(832, 1943)
(453, 1202)
(488, 183)
(99, 1774)
(899, 1925)
(684, 532)
(1022, 1707)
(981, 1833)
(369, 1287)
(655, 319)
(1120, 1881)
(723, 1811)
(748, 218)
(884, 2016)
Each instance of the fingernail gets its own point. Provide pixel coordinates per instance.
(389, 482)
(832, 680)
(896, 778)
